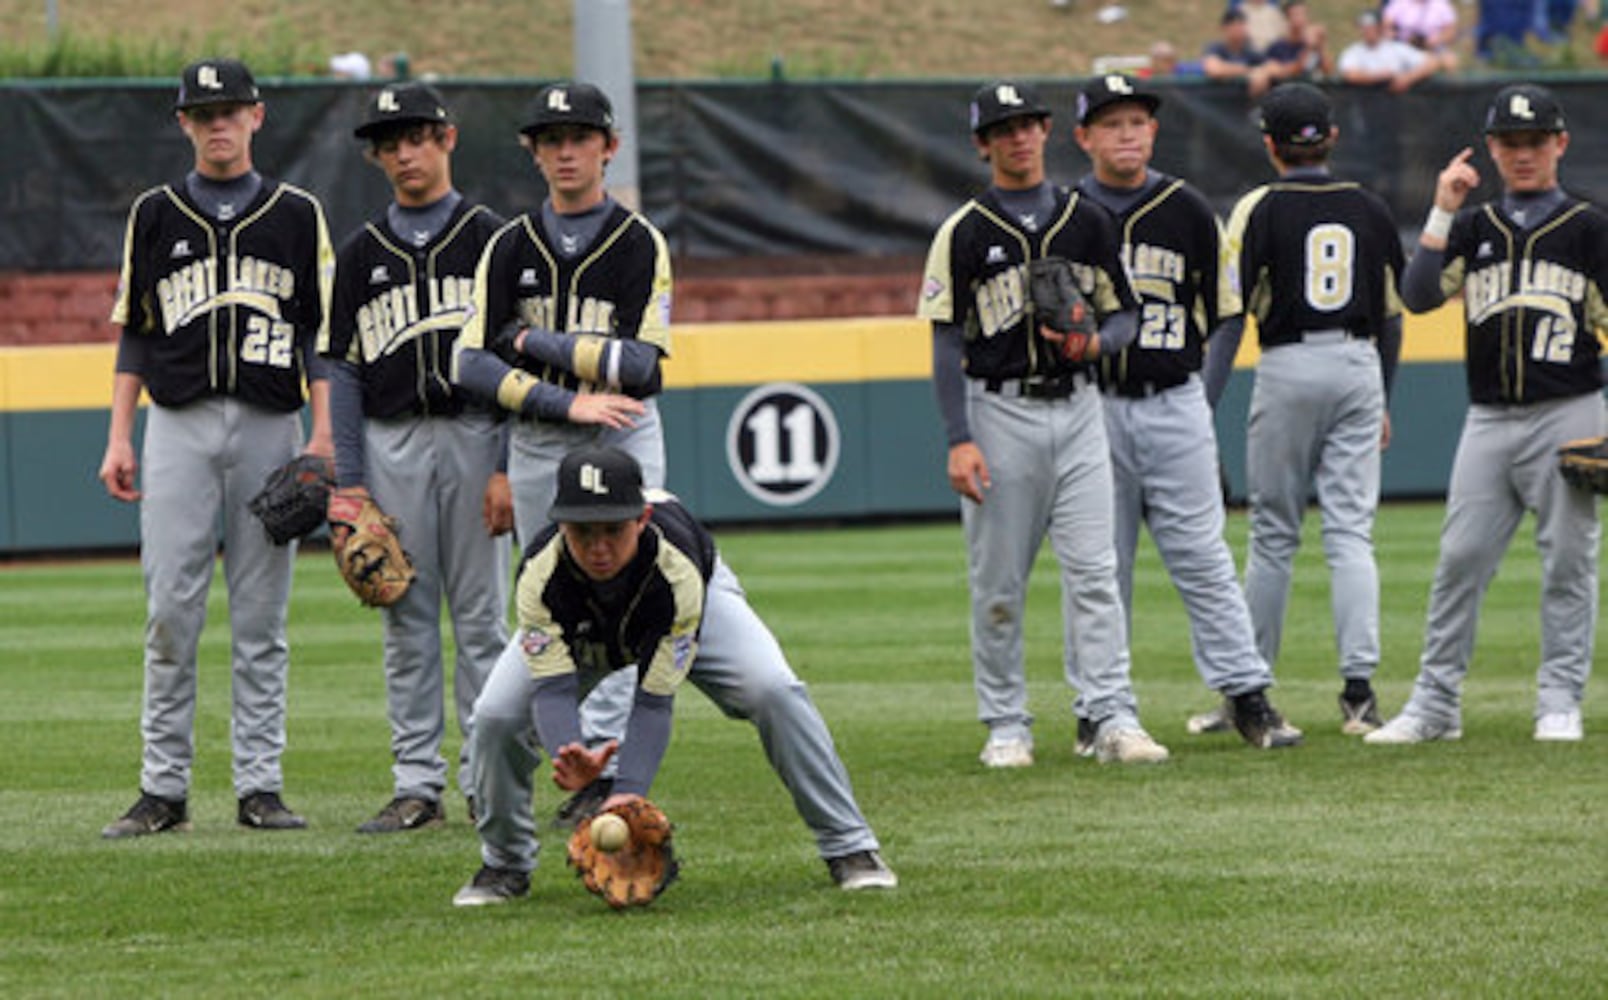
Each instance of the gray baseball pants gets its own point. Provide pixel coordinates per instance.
(200, 462)
(430, 474)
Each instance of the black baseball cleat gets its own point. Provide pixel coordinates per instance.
(1083, 745)
(1359, 709)
(406, 812)
(266, 811)
(492, 886)
(861, 870)
(582, 804)
(151, 814)
(1260, 724)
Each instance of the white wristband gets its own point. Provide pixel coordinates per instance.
(1439, 223)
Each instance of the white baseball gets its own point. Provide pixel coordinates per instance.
(609, 833)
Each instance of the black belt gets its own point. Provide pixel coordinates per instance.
(1037, 386)
(1144, 389)
(1319, 337)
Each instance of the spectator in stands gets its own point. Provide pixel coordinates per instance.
(1164, 62)
(1380, 61)
(1264, 21)
(1233, 57)
(1499, 35)
(1430, 25)
(1303, 52)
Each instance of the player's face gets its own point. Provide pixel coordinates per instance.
(221, 135)
(572, 159)
(1014, 148)
(416, 162)
(1527, 161)
(1120, 140)
(603, 549)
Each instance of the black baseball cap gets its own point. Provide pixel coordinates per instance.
(404, 103)
(1003, 100)
(598, 483)
(569, 103)
(1297, 113)
(216, 81)
(1112, 88)
(1524, 107)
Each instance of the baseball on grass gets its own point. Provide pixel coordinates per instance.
(609, 833)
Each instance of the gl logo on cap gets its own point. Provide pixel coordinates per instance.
(207, 76)
(1519, 107)
(592, 480)
(387, 102)
(1006, 94)
(558, 100)
(1118, 84)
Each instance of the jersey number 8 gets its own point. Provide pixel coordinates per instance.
(1330, 253)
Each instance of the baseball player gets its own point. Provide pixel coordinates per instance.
(572, 317)
(625, 576)
(1027, 443)
(224, 290)
(1163, 446)
(427, 453)
(1533, 269)
(1317, 261)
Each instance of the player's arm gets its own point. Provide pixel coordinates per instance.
(119, 467)
(481, 372)
(967, 469)
(1426, 281)
(629, 365)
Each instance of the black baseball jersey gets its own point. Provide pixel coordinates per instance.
(1532, 300)
(977, 276)
(649, 614)
(1171, 246)
(398, 309)
(229, 308)
(1315, 253)
(618, 287)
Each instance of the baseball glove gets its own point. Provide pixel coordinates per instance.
(1057, 304)
(293, 499)
(635, 874)
(370, 558)
(1584, 463)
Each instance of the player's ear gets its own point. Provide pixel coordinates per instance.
(449, 137)
(259, 112)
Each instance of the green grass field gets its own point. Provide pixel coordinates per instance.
(1471, 869)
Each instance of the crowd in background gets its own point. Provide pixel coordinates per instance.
(1396, 43)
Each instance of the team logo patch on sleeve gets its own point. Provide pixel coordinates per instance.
(932, 289)
(534, 641)
(681, 652)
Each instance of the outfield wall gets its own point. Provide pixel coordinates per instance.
(808, 419)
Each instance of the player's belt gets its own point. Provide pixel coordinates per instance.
(1330, 336)
(1143, 389)
(1037, 386)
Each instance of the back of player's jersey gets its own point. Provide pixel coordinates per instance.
(1314, 255)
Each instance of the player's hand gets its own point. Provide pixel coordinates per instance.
(575, 767)
(606, 408)
(1384, 432)
(339, 533)
(968, 471)
(117, 471)
(1073, 346)
(498, 506)
(1456, 181)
